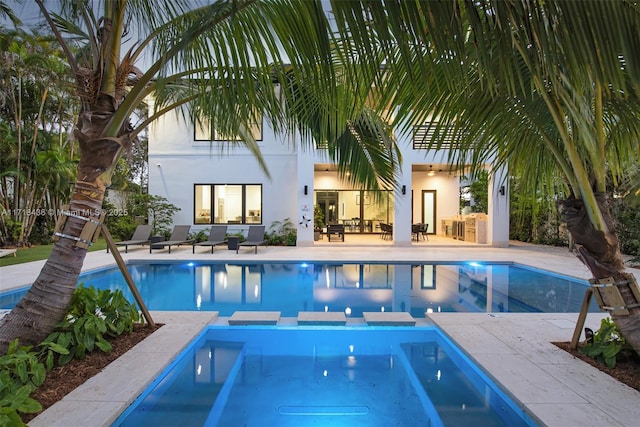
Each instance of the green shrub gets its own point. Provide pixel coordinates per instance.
(93, 315)
(200, 236)
(606, 344)
(282, 233)
(21, 372)
(121, 227)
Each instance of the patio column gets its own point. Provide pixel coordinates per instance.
(304, 219)
(498, 226)
(402, 208)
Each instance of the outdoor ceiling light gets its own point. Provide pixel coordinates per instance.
(431, 171)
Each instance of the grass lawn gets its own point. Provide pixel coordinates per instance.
(36, 253)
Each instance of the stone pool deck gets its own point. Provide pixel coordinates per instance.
(513, 349)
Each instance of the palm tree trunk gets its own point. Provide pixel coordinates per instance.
(600, 252)
(47, 301)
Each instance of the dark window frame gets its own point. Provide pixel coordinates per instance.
(212, 187)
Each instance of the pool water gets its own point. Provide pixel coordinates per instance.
(352, 288)
(308, 376)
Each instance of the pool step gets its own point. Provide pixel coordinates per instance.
(377, 318)
(254, 318)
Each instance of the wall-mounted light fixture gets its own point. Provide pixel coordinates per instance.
(306, 190)
(431, 171)
(404, 189)
(501, 191)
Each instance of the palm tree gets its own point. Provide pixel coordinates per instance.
(549, 88)
(217, 63)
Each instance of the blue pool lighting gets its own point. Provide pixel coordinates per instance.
(352, 288)
(299, 376)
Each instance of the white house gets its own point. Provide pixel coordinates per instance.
(214, 183)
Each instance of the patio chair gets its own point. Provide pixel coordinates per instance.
(416, 229)
(336, 231)
(255, 237)
(142, 236)
(179, 236)
(424, 231)
(387, 231)
(217, 236)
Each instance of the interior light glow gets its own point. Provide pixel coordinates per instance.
(429, 310)
(382, 309)
(439, 309)
(474, 264)
(438, 375)
(351, 348)
(199, 370)
(351, 361)
(325, 373)
(347, 311)
(256, 291)
(199, 301)
(326, 308)
(304, 265)
(190, 264)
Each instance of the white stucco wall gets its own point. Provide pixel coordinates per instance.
(177, 162)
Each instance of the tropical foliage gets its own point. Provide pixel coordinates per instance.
(21, 372)
(546, 87)
(94, 316)
(605, 344)
(37, 163)
(276, 58)
(281, 233)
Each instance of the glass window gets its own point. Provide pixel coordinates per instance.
(202, 204)
(203, 131)
(360, 211)
(228, 204)
(253, 205)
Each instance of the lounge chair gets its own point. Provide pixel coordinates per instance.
(5, 252)
(336, 231)
(142, 236)
(179, 236)
(255, 237)
(217, 236)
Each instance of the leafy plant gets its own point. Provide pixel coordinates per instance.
(21, 372)
(160, 213)
(200, 236)
(605, 344)
(318, 217)
(282, 233)
(93, 315)
(479, 193)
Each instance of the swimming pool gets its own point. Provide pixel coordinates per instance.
(311, 376)
(352, 288)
